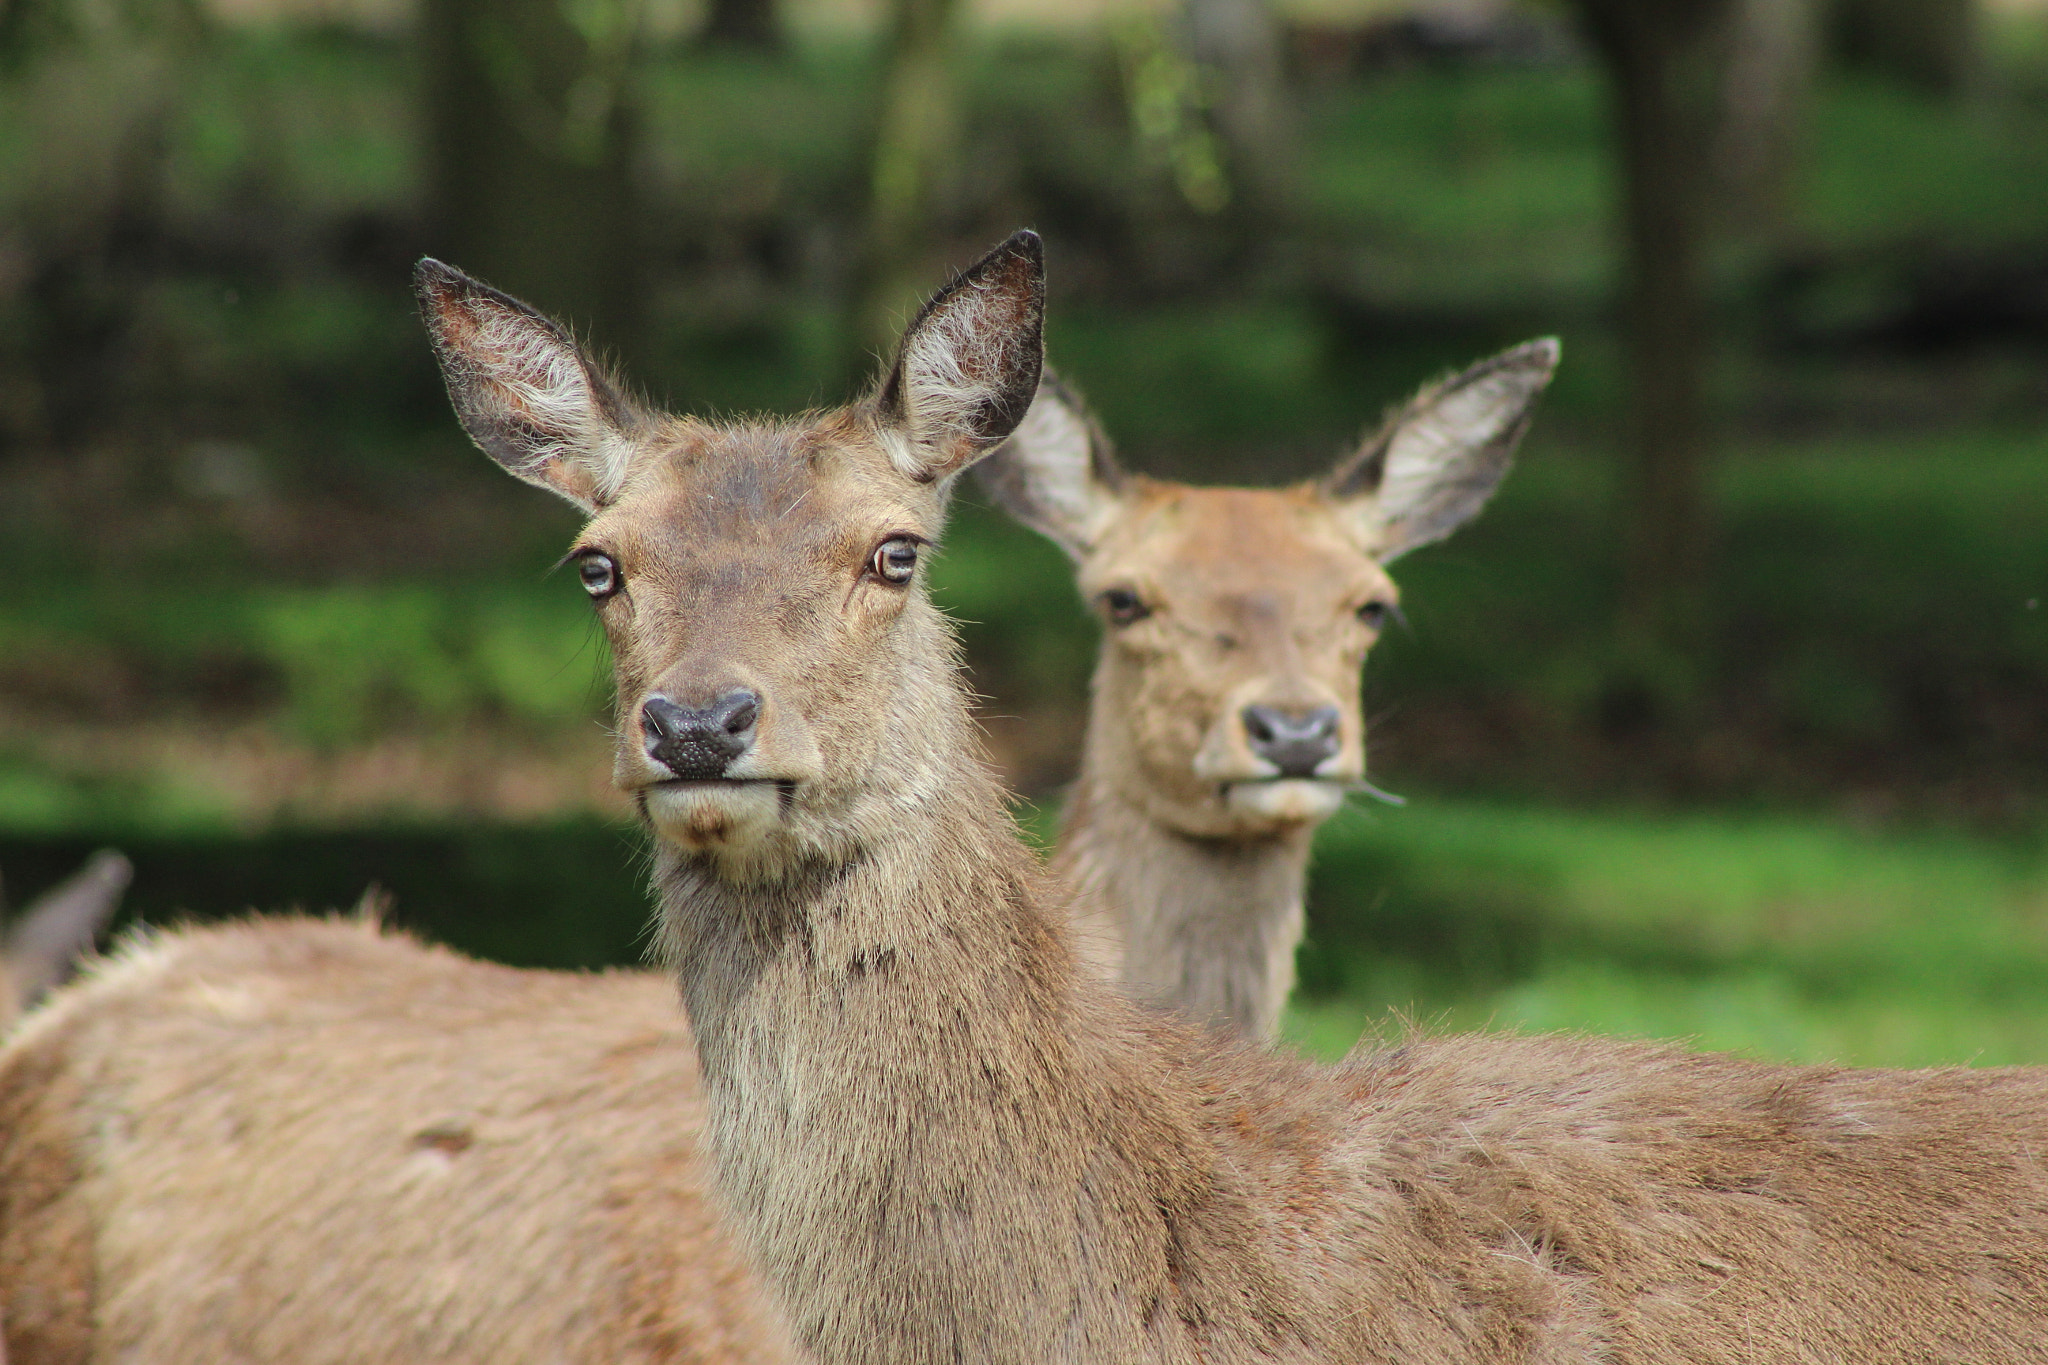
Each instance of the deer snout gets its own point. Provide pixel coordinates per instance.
(698, 744)
(1295, 742)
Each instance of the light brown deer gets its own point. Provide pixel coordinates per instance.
(938, 1139)
(317, 1142)
(1224, 720)
(430, 1159)
(941, 1141)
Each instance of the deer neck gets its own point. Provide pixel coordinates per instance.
(906, 1110)
(1207, 926)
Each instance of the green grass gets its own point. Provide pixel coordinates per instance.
(336, 665)
(1782, 934)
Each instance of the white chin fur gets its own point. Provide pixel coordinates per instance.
(714, 816)
(1287, 799)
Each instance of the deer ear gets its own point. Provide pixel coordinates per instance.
(525, 391)
(968, 364)
(42, 946)
(1435, 462)
(1056, 473)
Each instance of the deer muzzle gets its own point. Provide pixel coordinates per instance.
(699, 744)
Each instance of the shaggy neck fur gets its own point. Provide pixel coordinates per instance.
(1208, 926)
(907, 1079)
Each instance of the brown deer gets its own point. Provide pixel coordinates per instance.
(315, 1141)
(429, 1140)
(1224, 721)
(940, 1140)
(936, 1137)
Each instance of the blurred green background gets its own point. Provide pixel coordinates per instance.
(269, 625)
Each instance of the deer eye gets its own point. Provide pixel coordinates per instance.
(895, 560)
(1376, 613)
(600, 575)
(1123, 606)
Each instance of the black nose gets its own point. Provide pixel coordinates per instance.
(1295, 743)
(698, 744)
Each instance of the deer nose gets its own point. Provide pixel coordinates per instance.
(1294, 742)
(697, 744)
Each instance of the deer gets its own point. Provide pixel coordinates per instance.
(318, 1140)
(938, 1137)
(1224, 717)
(932, 1133)
(400, 1140)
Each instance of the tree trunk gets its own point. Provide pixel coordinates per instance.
(1664, 60)
(1931, 44)
(917, 137)
(751, 25)
(531, 142)
(1236, 44)
(1773, 54)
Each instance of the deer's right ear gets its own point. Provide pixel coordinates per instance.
(525, 391)
(1056, 473)
(1439, 458)
(967, 365)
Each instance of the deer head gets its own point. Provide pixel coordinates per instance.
(753, 578)
(1237, 620)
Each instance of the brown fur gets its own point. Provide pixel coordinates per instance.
(1190, 849)
(936, 1138)
(314, 1141)
(940, 1141)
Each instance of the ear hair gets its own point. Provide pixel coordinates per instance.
(1057, 473)
(1438, 457)
(968, 364)
(526, 393)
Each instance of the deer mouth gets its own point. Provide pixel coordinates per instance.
(716, 812)
(1287, 799)
(714, 782)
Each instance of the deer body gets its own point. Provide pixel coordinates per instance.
(974, 1155)
(313, 1141)
(939, 1140)
(1224, 721)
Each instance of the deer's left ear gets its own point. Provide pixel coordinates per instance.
(1435, 462)
(527, 394)
(967, 365)
(1056, 473)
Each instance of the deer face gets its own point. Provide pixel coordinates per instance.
(1237, 620)
(781, 677)
(1236, 623)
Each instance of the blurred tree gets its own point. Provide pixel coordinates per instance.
(1773, 54)
(1237, 46)
(752, 25)
(1168, 109)
(1931, 44)
(90, 90)
(917, 137)
(1666, 63)
(33, 28)
(531, 153)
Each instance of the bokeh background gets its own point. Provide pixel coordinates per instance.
(1728, 721)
